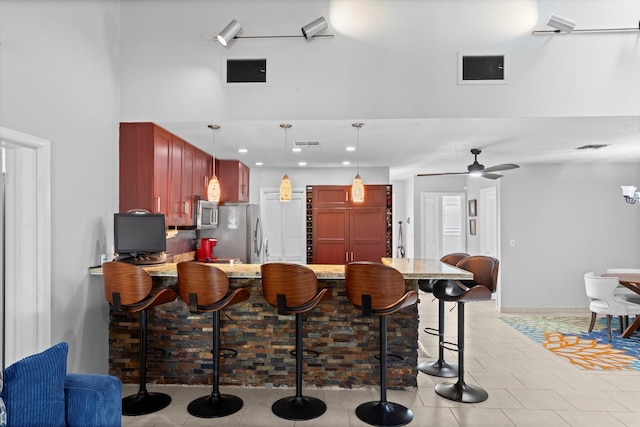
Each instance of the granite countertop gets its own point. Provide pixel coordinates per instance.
(411, 268)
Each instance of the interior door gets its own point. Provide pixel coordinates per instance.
(443, 224)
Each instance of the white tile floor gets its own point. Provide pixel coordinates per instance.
(527, 386)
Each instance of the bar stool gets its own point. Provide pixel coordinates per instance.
(129, 289)
(484, 283)
(378, 290)
(293, 289)
(205, 288)
(439, 368)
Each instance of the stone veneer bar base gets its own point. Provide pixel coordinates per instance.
(179, 344)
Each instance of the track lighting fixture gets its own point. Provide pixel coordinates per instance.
(630, 194)
(563, 25)
(309, 31)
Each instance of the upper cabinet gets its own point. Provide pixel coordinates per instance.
(339, 196)
(161, 173)
(234, 181)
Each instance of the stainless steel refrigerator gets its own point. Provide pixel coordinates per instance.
(239, 233)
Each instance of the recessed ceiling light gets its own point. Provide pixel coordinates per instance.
(346, 162)
(350, 148)
(302, 164)
(296, 149)
(242, 150)
(259, 163)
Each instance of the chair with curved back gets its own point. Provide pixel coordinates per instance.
(484, 283)
(603, 300)
(378, 290)
(128, 289)
(439, 368)
(205, 289)
(293, 290)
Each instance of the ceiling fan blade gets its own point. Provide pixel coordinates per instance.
(443, 173)
(503, 167)
(491, 175)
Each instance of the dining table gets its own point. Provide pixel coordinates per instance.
(631, 281)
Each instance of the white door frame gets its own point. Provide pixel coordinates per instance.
(27, 325)
(431, 203)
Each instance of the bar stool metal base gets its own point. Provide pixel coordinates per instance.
(144, 403)
(439, 368)
(384, 414)
(462, 392)
(299, 408)
(215, 406)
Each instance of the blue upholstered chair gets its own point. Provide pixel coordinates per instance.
(38, 391)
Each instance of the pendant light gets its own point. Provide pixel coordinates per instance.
(357, 188)
(285, 184)
(213, 188)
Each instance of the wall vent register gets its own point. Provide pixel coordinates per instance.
(246, 70)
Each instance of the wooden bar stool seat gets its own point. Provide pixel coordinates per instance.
(293, 290)
(128, 289)
(378, 290)
(205, 289)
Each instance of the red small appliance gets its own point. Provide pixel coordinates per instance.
(204, 251)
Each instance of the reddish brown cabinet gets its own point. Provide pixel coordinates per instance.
(340, 231)
(160, 172)
(234, 181)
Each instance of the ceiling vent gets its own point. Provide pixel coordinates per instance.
(592, 146)
(481, 69)
(246, 70)
(306, 143)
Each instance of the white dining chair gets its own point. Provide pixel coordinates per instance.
(601, 292)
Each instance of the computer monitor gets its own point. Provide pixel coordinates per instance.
(137, 234)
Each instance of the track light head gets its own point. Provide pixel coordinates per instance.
(229, 32)
(313, 28)
(561, 24)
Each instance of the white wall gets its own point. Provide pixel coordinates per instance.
(60, 82)
(368, 69)
(566, 220)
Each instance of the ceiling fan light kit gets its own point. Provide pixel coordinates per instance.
(476, 169)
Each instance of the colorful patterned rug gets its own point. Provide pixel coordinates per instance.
(568, 337)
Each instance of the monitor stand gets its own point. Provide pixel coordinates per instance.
(154, 258)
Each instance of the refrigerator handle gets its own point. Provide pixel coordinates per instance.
(257, 237)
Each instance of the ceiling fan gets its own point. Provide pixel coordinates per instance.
(476, 169)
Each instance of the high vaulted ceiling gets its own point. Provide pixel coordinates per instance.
(392, 65)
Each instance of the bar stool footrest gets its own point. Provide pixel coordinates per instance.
(299, 408)
(432, 331)
(215, 406)
(306, 354)
(386, 414)
(451, 346)
(392, 358)
(228, 353)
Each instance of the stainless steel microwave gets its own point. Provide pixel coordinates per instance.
(206, 214)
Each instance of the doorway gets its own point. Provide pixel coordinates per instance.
(443, 224)
(25, 242)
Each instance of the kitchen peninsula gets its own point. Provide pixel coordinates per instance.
(179, 342)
